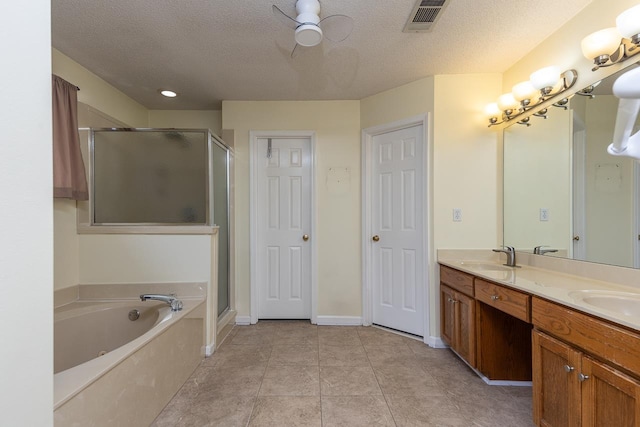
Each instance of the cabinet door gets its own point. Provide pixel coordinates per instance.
(447, 315)
(556, 388)
(609, 397)
(465, 327)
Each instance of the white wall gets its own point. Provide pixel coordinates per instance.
(26, 216)
(337, 127)
(189, 119)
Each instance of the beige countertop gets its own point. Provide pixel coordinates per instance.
(566, 289)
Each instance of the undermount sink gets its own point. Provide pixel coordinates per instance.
(485, 266)
(626, 303)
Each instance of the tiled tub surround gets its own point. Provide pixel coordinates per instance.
(131, 384)
(552, 278)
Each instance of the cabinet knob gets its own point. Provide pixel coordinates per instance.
(495, 297)
(583, 377)
(568, 369)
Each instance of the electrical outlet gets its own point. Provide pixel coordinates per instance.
(544, 214)
(457, 214)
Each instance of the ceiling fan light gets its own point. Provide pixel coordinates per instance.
(308, 35)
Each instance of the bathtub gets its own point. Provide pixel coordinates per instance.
(110, 370)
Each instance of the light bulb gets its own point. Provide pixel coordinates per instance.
(545, 78)
(628, 23)
(600, 45)
(508, 103)
(524, 92)
(492, 110)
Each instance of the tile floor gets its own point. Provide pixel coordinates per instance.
(292, 373)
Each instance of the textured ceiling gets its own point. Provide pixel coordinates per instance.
(214, 50)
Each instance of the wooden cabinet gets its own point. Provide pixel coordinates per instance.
(457, 314)
(574, 382)
(556, 390)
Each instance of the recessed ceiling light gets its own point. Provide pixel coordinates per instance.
(168, 93)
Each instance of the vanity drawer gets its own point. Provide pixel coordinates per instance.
(510, 301)
(457, 280)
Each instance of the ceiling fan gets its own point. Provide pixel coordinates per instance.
(310, 29)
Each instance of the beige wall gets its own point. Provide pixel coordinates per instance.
(562, 48)
(26, 216)
(337, 127)
(187, 119)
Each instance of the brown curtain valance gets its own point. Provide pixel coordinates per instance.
(69, 178)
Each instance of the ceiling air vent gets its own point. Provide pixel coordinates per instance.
(424, 15)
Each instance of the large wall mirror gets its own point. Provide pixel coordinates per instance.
(563, 190)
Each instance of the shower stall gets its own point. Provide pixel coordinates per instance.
(173, 178)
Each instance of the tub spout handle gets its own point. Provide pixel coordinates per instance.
(175, 303)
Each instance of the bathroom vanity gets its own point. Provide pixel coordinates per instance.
(574, 337)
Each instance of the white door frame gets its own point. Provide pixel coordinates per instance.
(578, 188)
(367, 246)
(253, 216)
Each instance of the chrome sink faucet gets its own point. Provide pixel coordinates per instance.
(511, 255)
(539, 251)
(175, 303)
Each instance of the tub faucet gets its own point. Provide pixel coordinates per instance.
(511, 255)
(175, 303)
(539, 251)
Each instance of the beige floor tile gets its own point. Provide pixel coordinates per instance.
(338, 335)
(252, 337)
(375, 336)
(349, 355)
(355, 411)
(294, 355)
(291, 381)
(236, 381)
(348, 381)
(392, 355)
(207, 410)
(286, 411)
(404, 381)
(239, 355)
(425, 411)
(295, 336)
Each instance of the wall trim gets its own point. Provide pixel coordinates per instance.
(339, 321)
(435, 342)
(253, 216)
(209, 350)
(243, 320)
(367, 251)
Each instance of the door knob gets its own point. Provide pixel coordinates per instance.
(305, 237)
(576, 238)
(376, 238)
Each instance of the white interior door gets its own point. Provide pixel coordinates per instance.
(284, 228)
(397, 215)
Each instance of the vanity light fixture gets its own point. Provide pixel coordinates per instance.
(616, 44)
(588, 91)
(543, 85)
(168, 93)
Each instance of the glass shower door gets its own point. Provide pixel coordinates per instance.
(220, 177)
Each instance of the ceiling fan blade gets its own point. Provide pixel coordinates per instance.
(298, 50)
(284, 18)
(336, 27)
